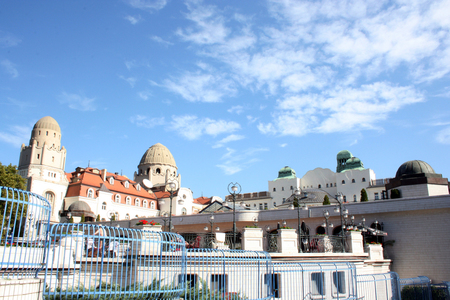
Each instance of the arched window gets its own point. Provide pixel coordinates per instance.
(116, 214)
(282, 188)
(353, 180)
(117, 198)
(111, 180)
(152, 205)
(319, 186)
(364, 179)
(138, 187)
(50, 196)
(184, 211)
(137, 202)
(104, 206)
(144, 204)
(354, 198)
(127, 184)
(127, 216)
(128, 199)
(158, 171)
(327, 184)
(343, 181)
(90, 193)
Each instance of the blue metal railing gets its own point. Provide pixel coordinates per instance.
(379, 286)
(417, 288)
(25, 220)
(314, 280)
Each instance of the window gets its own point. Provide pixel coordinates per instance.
(111, 180)
(317, 280)
(353, 180)
(282, 188)
(377, 197)
(364, 179)
(184, 211)
(50, 196)
(260, 206)
(137, 202)
(104, 206)
(292, 188)
(284, 200)
(90, 193)
(345, 198)
(319, 186)
(327, 184)
(152, 205)
(266, 206)
(117, 198)
(219, 283)
(127, 216)
(158, 171)
(338, 283)
(274, 189)
(127, 184)
(138, 187)
(274, 204)
(38, 156)
(343, 181)
(354, 198)
(128, 200)
(116, 215)
(272, 282)
(144, 203)
(254, 205)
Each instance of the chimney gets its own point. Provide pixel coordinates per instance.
(103, 172)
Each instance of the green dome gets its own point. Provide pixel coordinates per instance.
(286, 173)
(344, 154)
(414, 167)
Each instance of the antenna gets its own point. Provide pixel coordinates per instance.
(89, 163)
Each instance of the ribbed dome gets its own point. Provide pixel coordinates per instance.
(344, 154)
(158, 154)
(80, 208)
(47, 123)
(413, 167)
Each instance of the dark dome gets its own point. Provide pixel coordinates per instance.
(414, 167)
(344, 154)
(79, 208)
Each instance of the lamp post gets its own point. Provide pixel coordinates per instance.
(171, 187)
(164, 218)
(326, 215)
(299, 229)
(233, 189)
(343, 212)
(211, 225)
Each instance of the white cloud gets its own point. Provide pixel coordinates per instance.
(237, 109)
(234, 161)
(200, 87)
(230, 138)
(131, 80)
(144, 95)
(192, 127)
(443, 136)
(10, 68)
(133, 19)
(78, 102)
(283, 145)
(161, 41)
(148, 5)
(8, 40)
(130, 64)
(147, 122)
(16, 136)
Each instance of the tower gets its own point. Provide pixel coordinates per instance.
(42, 163)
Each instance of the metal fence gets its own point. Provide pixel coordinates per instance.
(207, 240)
(228, 274)
(417, 288)
(379, 286)
(293, 281)
(25, 219)
(99, 262)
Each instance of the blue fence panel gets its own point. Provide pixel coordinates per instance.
(379, 286)
(416, 288)
(227, 274)
(25, 220)
(295, 280)
(92, 261)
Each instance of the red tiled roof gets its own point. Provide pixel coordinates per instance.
(202, 200)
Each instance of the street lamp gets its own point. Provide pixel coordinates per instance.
(233, 189)
(171, 187)
(326, 215)
(297, 200)
(211, 225)
(164, 217)
(343, 212)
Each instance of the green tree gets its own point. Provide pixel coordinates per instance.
(83, 218)
(10, 177)
(98, 218)
(364, 197)
(326, 200)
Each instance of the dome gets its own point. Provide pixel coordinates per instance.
(158, 154)
(344, 154)
(414, 167)
(286, 172)
(79, 208)
(47, 123)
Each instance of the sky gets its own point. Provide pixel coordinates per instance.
(236, 90)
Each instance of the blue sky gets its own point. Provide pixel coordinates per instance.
(235, 89)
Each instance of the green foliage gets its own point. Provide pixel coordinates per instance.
(364, 197)
(326, 200)
(98, 218)
(395, 194)
(9, 177)
(419, 292)
(71, 220)
(83, 218)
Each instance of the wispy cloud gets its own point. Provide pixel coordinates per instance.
(191, 127)
(144, 95)
(10, 68)
(234, 161)
(237, 109)
(226, 140)
(161, 41)
(130, 64)
(131, 80)
(16, 135)
(147, 122)
(443, 136)
(148, 5)
(20, 104)
(8, 40)
(201, 87)
(133, 19)
(78, 102)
